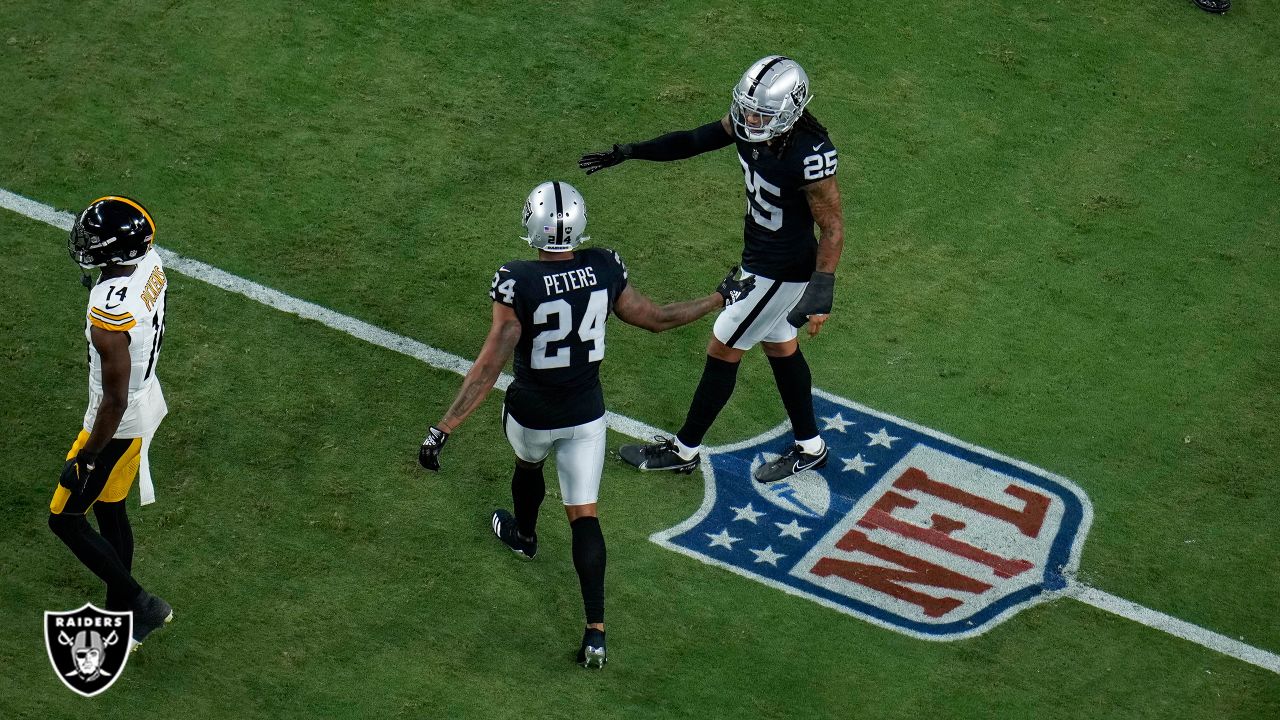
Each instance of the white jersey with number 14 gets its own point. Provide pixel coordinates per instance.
(133, 304)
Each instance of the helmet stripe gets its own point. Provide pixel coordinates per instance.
(132, 203)
(755, 82)
(559, 213)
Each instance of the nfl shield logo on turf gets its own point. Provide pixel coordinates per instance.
(904, 527)
(88, 647)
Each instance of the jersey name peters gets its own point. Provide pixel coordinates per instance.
(572, 280)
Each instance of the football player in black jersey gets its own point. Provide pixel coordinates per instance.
(789, 164)
(550, 313)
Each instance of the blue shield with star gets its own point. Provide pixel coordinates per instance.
(904, 526)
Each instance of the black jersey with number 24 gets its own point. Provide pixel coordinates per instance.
(778, 239)
(562, 306)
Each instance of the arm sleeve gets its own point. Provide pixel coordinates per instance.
(681, 144)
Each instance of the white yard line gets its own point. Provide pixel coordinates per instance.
(1174, 626)
(294, 306)
(625, 425)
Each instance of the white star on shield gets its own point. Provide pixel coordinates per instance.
(836, 422)
(767, 555)
(722, 539)
(747, 513)
(856, 463)
(881, 438)
(792, 529)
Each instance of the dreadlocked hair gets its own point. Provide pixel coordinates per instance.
(807, 122)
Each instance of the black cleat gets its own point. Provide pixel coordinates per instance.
(793, 461)
(150, 613)
(592, 653)
(1217, 7)
(661, 455)
(504, 526)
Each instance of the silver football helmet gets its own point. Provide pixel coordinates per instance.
(769, 98)
(554, 217)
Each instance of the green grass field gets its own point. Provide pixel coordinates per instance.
(1062, 244)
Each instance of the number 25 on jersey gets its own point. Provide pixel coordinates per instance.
(817, 166)
(765, 213)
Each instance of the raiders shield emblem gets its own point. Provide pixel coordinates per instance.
(88, 647)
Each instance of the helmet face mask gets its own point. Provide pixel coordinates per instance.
(554, 217)
(113, 230)
(769, 99)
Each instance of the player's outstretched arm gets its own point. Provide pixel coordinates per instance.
(814, 305)
(672, 146)
(504, 333)
(635, 308)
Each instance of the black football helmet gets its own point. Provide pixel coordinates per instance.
(113, 230)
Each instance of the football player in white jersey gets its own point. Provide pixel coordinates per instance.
(124, 327)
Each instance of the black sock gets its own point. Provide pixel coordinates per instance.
(113, 523)
(795, 385)
(97, 554)
(588, 560)
(714, 389)
(527, 491)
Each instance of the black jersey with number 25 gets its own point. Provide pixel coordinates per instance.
(778, 233)
(562, 306)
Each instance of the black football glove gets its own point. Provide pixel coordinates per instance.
(816, 299)
(429, 453)
(76, 472)
(597, 161)
(732, 288)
